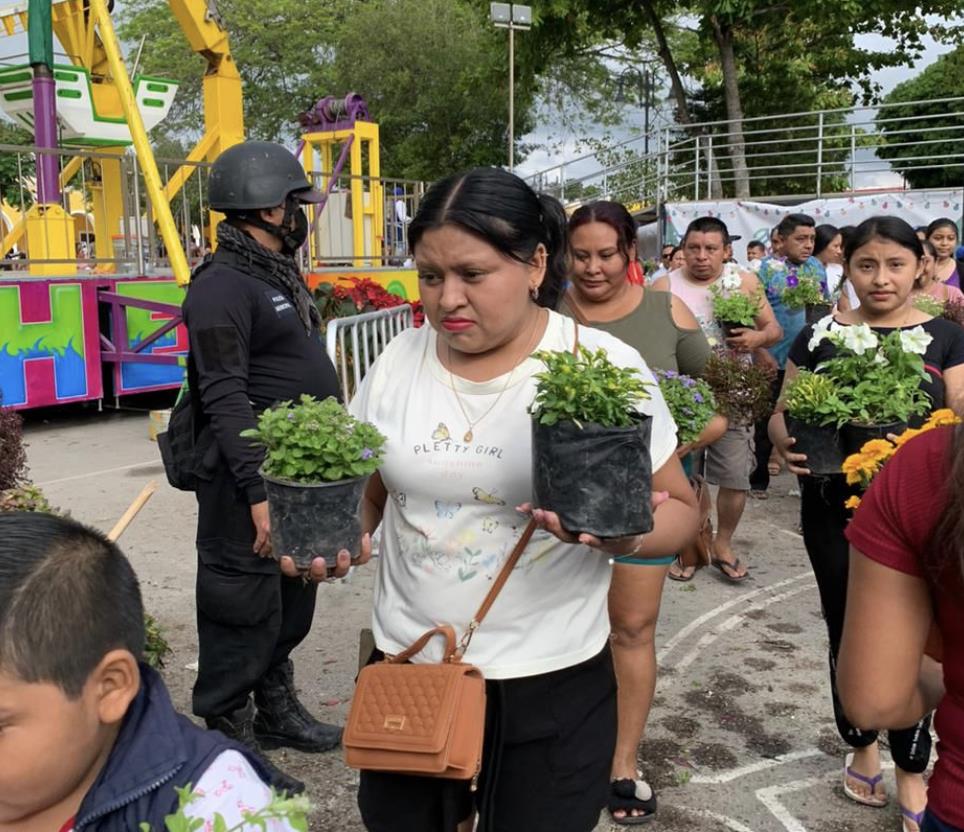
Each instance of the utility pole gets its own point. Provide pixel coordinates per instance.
(515, 18)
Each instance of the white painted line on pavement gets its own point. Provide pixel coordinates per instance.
(753, 768)
(732, 622)
(694, 625)
(729, 823)
(770, 797)
(155, 461)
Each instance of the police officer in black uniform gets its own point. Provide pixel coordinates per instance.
(254, 341)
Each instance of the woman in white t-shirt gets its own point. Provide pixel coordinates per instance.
(452, 398)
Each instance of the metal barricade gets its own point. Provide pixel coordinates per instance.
(354, 343)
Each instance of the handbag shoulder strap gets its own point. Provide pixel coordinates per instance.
(576, 310)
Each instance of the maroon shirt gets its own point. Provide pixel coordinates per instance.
(893, 526)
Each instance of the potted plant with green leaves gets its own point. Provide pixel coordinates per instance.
(879, 378)
(732, 307)
(806, 293)
(590, 444)
(318, 458)
(691, 403)
(814, 412)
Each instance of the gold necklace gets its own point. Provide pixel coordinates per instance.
(470, 432)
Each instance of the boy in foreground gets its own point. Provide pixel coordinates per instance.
(89, 739)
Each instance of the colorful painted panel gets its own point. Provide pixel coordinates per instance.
(49, 343)
(142, 377)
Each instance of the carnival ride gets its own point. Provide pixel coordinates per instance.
(97, 250)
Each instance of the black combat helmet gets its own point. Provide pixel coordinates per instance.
(254, 175)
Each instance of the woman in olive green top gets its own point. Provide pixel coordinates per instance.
(602, 237)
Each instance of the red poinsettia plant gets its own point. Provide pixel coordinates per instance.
(356, 295)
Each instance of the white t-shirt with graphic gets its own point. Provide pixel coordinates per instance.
(450, 519)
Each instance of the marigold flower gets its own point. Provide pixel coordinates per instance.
(907, 435)
(944, 416)
(879, 450)
(859, 468)
(852, 502)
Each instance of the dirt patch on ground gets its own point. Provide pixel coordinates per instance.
(785, 627)
(780, 709)
(713, 755)
(757, 663)
(682, 726)
(777, 645)
(660, 759)
(755, 615)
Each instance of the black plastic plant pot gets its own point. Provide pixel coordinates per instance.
(821, 444)
(598, 480)
(729, 328)
(817, 312)
(314, 521)
(854, 435)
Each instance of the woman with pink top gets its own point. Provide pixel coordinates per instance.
(927, 282)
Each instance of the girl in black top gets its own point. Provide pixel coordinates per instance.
(882, 259)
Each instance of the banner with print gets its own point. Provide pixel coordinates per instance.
(753, 220)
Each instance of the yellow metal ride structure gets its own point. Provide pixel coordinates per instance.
(86, 33)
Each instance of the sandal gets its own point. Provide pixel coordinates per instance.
(632, 796)
(914, 817)
(875, 800)
(680, 574)
(732, 576)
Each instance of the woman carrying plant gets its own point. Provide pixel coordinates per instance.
(943, 235)
(882, 260)
(928, 285)
(906, 577)
(453, 399)
(602, 239)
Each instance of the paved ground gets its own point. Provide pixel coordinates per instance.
(740, 738)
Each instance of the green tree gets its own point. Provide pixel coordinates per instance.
(435, 76)
(937, 134)
(282, 49)
(16, 170)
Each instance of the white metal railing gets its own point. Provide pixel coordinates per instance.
(802, 153)
(354, 343)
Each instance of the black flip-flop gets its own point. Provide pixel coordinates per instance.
(632, 796)
(683, 579)
(723, 565)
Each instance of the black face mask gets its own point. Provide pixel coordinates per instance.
(295, 230)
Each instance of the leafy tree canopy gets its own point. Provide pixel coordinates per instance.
(908, 145)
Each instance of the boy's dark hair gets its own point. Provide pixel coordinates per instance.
(791, 222)
(756, 244)
(68, 596)
(707, 225)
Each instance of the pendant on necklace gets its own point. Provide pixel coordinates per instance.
(468, 436)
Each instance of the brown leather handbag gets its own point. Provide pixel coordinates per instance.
(425, 719)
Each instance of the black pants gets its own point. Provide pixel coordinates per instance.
(549, 742)
(824, 521)
(760, 478)
(249, 616)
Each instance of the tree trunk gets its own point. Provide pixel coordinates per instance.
(676, 85)
(723, 35)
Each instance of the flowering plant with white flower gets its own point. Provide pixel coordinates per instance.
(731, 304)
(877, 377)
